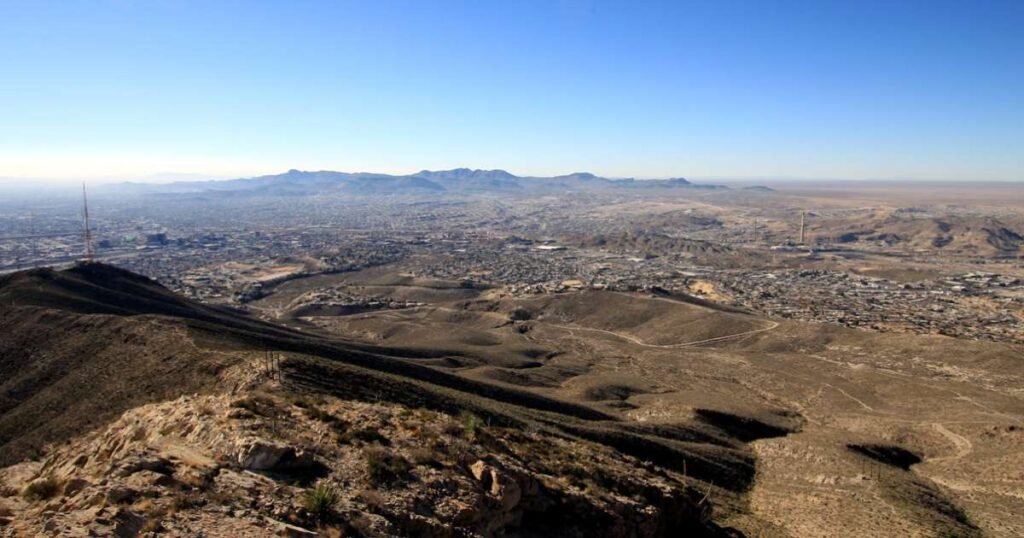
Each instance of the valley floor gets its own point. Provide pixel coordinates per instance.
(956, 406)
(459, 411)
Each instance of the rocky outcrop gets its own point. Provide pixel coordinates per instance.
(222, 466)
(260, 455)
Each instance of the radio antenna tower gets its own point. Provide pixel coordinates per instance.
(803, 216)
(88, 230)
(35, 238)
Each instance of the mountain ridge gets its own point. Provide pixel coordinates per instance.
(296, 182)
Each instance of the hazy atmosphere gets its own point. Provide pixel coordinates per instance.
(170, 89)
(521, 269)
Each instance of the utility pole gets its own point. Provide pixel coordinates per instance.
(88, 230)
(755, 230)
(803, 215)
(35, 239)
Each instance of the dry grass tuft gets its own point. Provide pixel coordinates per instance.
(258, 404)
(41, 490)
(384, 466)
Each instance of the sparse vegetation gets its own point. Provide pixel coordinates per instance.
(316, 413)
(195, 480)
(154, 516)
(425, 456)
(373, 499)
(341, 427)
(304, 400)
(321, 500)
(258, 405)
(562, 430)
(520, 314)
(385, 466)
(6, 490)
(301, 403)
(41, 490)
(366, 435)
(187, 500)
(425, 414)
(471, 425)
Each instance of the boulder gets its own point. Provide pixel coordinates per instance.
(74, 485)
(498, 484)
(262, 455)
(121, 494)
(128, 524)
(135, 464)
(289, 530)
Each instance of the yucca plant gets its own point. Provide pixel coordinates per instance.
(321, 500)
(471, 424)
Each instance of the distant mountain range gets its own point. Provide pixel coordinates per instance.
(426, 182)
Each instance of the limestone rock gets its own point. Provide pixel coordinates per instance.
(262, 455)
(500, 485)
(291, 531)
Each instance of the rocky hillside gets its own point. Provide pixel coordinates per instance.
(268, 462)
(969, 235)
(129, 411)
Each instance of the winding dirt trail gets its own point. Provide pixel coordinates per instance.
(963, 445)
(639, 342)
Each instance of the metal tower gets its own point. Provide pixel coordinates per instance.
(88, 230)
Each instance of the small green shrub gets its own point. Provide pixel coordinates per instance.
(321, 500)
(471, 425)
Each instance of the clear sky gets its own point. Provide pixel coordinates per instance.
(815, 89)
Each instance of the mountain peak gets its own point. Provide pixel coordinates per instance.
(460, 173)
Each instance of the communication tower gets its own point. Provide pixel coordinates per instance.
(89, 253)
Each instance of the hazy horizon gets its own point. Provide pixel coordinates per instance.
(19, 183)
(868, 90)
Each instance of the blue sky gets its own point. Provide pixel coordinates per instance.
(860, 89)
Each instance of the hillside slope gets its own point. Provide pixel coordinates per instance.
(81, 347)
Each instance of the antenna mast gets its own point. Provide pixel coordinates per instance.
(35, 238)
(803, 215)
(88, 230)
